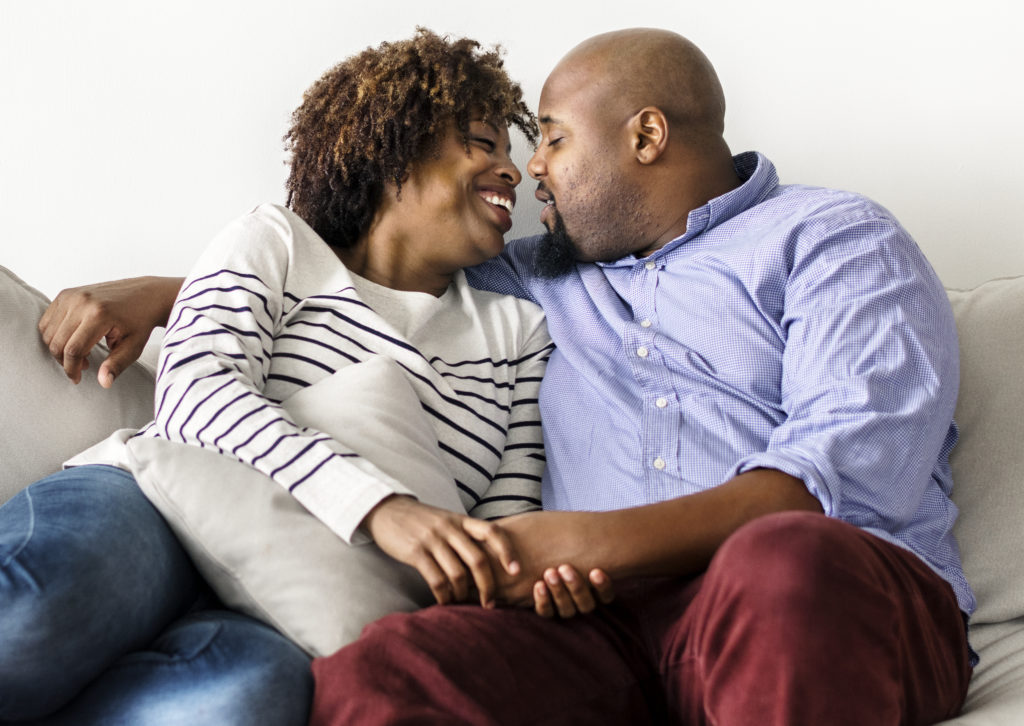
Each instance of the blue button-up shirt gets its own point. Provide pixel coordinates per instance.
(791, 327)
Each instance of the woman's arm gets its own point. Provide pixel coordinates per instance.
(516, 483)
(124, 312)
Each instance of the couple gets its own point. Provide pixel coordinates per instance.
(747, 423)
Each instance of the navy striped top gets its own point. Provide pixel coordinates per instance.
(269, 309)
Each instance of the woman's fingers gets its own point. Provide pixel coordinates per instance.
(496, 539)
(442, 545)
(435, 578)
(453, 563)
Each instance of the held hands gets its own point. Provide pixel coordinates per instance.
(452, 552)
(124, 312)
(457, 554)
(543, 537)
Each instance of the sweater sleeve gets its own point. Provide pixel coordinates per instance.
(214, 365)
(516, 485)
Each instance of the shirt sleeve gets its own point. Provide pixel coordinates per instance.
(870, 376)
(516, 485)
(510, 273)
(215, 363)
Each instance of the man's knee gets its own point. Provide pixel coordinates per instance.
(790, 559)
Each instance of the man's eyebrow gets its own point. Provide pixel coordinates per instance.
(548, 120)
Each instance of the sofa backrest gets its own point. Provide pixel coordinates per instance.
(988, 462)
(47, 418)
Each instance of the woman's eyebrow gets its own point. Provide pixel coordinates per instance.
(494, 127)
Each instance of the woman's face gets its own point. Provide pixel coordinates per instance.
(460, 201)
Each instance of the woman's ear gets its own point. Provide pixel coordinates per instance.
(649, 129)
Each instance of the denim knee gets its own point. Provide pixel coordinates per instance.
(215, 668)
(88, 572)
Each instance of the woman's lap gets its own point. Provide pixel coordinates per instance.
(209, 668)
(90, 577)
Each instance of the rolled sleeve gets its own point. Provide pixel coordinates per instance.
(870, 376)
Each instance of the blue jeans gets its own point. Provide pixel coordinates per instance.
(101, 619)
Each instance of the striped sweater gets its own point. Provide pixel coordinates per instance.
(269, 309)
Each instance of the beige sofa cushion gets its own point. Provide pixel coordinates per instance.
(988, 467)
(48, 418)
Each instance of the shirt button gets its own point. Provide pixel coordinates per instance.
(659, 463)
(642, 351)
(649, 266)
(645, 323)
(661, 402)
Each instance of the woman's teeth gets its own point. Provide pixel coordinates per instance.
(499, 201)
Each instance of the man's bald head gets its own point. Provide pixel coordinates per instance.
(632, 140)
(649, 67)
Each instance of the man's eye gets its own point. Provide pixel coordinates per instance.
(552, 142)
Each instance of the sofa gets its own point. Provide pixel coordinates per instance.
(48, 420)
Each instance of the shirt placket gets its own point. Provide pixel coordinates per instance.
(659, 457)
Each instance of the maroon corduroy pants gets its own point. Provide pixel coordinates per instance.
(800, 619)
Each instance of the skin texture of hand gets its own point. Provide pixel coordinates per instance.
(124, 312)
(454, 553)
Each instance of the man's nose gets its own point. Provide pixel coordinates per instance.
(537, 166)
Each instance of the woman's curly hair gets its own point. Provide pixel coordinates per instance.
(368, 119)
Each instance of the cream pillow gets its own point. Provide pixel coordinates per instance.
(49, 418)
(988, 464)
(263, 552)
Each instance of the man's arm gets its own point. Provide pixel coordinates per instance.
(675, 537)
(124, 312)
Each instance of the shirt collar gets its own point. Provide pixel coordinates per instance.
(759, 180)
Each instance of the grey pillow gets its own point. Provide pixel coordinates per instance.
(263, 552)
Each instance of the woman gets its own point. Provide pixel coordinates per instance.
(401, 173)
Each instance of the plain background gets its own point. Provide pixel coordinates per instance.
(132, 131)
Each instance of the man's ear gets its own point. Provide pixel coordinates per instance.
(649, 131)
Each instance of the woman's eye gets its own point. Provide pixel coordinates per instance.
(486, 143)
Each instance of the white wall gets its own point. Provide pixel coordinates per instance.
(131, 131)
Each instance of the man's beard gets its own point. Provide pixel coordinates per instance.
(556, 253)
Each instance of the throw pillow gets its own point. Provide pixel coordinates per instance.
(263, 552)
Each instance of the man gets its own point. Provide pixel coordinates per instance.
(733, 358)
(747, 420)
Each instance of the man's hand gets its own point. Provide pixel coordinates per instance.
(449, 550)
(565, 593)
(124, 312)
(554, 548)
(677, 537)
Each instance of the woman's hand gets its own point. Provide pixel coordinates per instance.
(124, 312)
(565, 593)
(449, 550)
